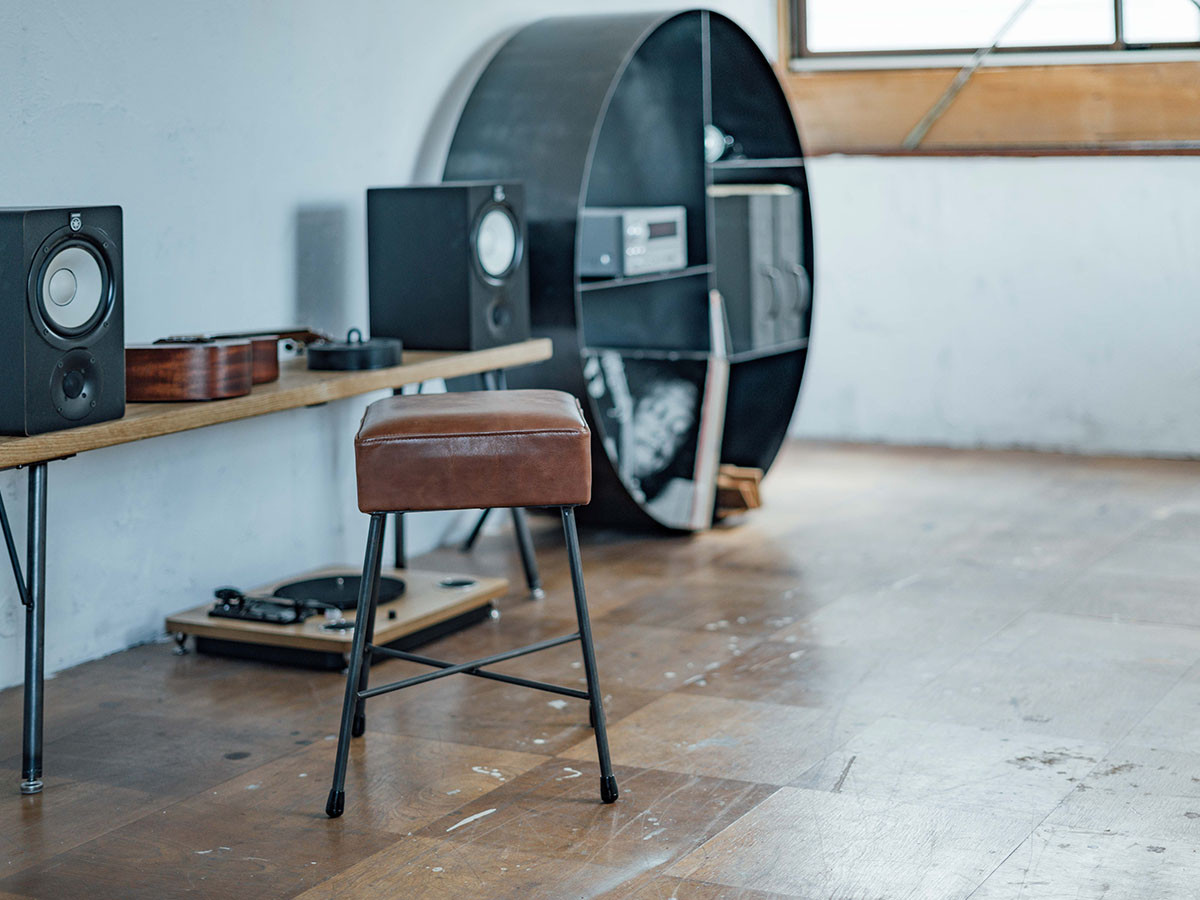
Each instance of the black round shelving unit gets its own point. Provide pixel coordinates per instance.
(611, 111)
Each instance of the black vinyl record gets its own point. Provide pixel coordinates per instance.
(339, 591)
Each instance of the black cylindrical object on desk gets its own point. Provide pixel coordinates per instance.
(355, 354)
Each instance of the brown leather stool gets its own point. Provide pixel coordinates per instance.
(468, 451)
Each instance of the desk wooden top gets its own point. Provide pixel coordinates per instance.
(297, 386)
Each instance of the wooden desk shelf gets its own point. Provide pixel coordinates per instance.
(297, 387)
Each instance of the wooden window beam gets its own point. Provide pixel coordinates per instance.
(1028, 110)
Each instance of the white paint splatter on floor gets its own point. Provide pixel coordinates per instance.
(469, 819)
(557, 704)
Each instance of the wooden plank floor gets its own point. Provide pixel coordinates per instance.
(915, 673)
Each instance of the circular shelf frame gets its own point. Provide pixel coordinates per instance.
(610, 110)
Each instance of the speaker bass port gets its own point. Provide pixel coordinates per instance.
(499, 316)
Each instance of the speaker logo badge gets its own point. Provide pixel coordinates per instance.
(76, 221)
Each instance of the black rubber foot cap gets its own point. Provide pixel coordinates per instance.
(336, 804)
(359, 726)
(608, 788)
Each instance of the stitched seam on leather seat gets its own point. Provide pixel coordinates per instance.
(367, 442)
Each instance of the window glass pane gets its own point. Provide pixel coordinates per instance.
(1063, 23)
(1161, 21)
(850, 25)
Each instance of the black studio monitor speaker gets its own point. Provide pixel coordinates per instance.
(62, 332)
(447, 265)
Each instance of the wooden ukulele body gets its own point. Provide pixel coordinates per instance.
(171, 373)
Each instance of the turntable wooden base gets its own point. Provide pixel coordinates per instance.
(425, 609)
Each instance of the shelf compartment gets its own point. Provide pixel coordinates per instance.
(648, 148)
(763, 352)
(746, 101)
(762, 397)
(604, 284)
(661, 353)
(792, 176)
(669, 314)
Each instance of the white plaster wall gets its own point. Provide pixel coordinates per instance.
(1050, 303)
(239, 136)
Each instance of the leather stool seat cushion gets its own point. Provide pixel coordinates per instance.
(480, 449)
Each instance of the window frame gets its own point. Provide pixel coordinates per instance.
(798, 52)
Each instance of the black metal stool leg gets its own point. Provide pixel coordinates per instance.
(608, 782)
(367, 593)
(360, 708)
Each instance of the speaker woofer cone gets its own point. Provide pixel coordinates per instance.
(73, 288)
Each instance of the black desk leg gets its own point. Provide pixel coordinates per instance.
(497, 381)
(35, 633)
(401, 556)
(469, 543)
(525, 543)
